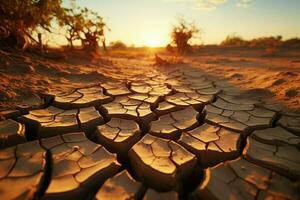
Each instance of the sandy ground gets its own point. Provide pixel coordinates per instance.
(24, 74)
(251, 69)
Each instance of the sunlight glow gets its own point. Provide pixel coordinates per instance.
(155, 41)
(134, 25)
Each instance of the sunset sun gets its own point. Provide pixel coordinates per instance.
(155, 42)
(153, 39)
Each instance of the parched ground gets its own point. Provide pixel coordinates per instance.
(121, 128)
(249, 69)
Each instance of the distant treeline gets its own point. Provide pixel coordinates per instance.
(237, 41)
(261, 42)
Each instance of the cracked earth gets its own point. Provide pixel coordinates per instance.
(158, 133)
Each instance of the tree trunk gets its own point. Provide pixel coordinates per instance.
(104, 45)
(40, 42)
(71, 43)
(14, 40)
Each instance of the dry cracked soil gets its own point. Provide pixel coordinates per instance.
(153, 133)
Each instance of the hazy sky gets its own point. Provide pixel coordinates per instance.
(148, 22)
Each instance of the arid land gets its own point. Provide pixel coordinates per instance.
(24, 74)
(218, 124)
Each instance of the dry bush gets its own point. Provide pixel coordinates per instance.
(159, 61)
(292, 43)
(181, 35)
(234, 41)
(118, 45)
(264, 42)
(270, 44)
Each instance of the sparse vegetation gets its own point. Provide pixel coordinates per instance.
(263, 42)
(22, 24)
(266, 42)
(73, 25)
(181, 35)
(293, 43)
(84, 25)
(118, 45)
(21, 21)
(234, 41)
(160, 61)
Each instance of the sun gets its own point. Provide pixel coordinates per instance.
(155, 42)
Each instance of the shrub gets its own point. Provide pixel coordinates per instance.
(181, 35)
(234, 41)
(266, 42)
(118, 45)
(293, 43)
(262, 42)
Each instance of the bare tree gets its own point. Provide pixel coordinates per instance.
(84, 25)
(181, 35)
